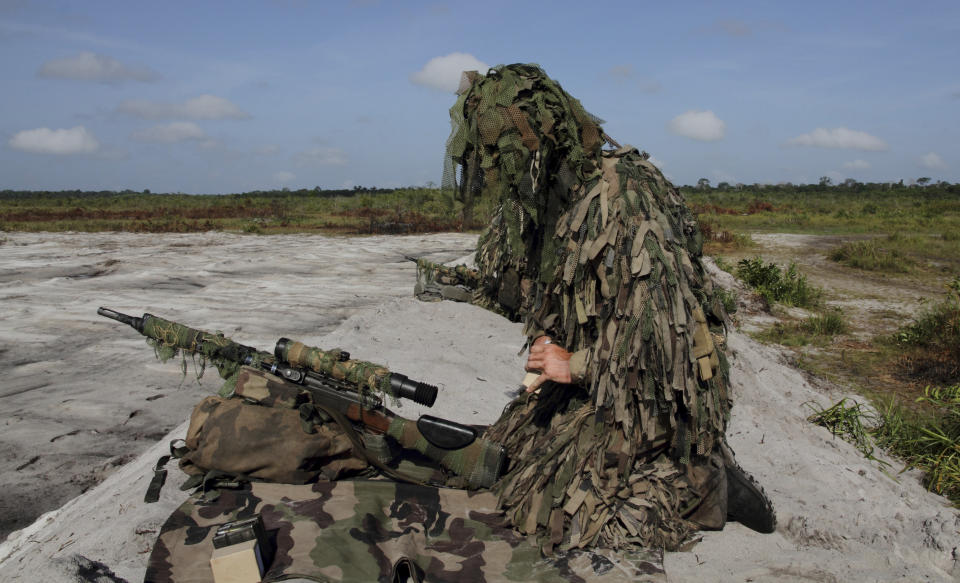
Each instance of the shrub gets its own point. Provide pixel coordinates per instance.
(933, 338)
(788, 287)
(871, 256)
(928, 439)
(829, 324)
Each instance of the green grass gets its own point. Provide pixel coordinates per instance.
(818, 330)
(926, 437)
(828, 324)
(850, 420)
(872, 255)
(925, 433)
(923, 223)
(930, 344)
(376, 211)
(867, 209)
(788, 287)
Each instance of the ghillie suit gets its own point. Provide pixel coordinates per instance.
(596, 249)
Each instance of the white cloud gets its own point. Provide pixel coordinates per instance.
(321, 157)
(857, 165)
(698, 125)
(444, 73)
(77, 140)
(839, 138)
(88, 66)
(201, 107)
(268, 150)
(178, 131)
(284, 177)
(932, 161)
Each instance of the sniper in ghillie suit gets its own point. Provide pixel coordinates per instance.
(614, 451)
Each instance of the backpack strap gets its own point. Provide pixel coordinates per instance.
(159, 477)
(178, 449)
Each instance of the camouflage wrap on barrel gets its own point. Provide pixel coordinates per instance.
(437, 282)
(366, 530)
(459, 275)
(365, 375)
(596, 249)
(459, 283)
(168, 337)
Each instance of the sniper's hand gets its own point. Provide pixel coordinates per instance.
(550, 360)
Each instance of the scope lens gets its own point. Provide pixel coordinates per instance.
(414, 390)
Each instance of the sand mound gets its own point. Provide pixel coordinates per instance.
(840, 517)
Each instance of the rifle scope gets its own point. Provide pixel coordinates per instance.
(325, 362)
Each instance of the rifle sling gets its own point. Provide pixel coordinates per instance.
(358, 446)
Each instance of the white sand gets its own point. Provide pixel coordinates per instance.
(66, 369)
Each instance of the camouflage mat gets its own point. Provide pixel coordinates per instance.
(364, 530)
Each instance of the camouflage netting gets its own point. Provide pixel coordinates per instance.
(596, 249)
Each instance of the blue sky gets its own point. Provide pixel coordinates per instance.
(216, 97)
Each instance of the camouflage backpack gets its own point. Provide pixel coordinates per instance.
(267, 431)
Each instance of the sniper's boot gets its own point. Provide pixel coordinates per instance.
(708, 478)
(747, 503)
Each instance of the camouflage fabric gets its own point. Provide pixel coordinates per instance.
(374, 530)
(436, 282)
(270, 439)
(365, 375)
(596, 249)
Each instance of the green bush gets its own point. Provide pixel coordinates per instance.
(938, 326)
(788, 287)
(932, 341)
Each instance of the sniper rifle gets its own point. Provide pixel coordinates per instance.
(344, 387)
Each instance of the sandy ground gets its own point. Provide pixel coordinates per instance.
(82, 395)
(80, 400)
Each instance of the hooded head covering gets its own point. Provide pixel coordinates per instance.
(520, 145)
